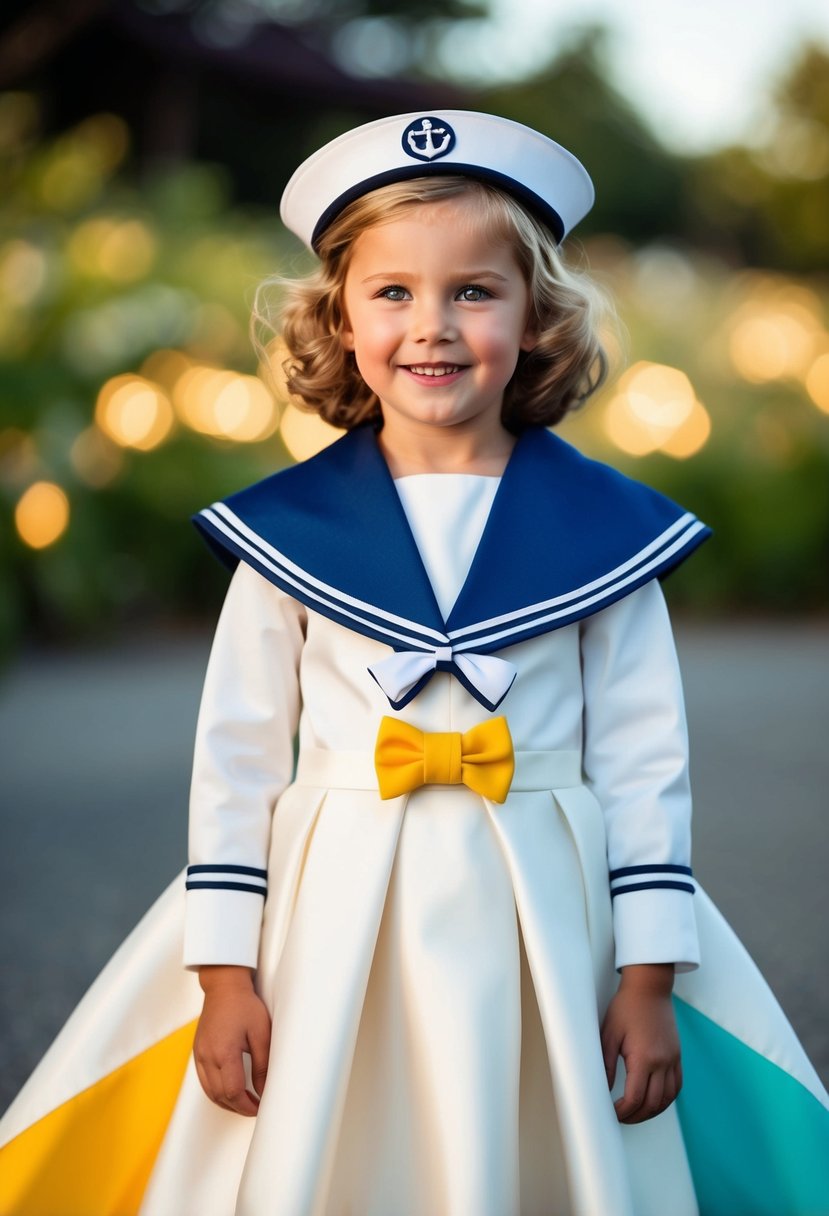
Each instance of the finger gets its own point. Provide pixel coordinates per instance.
(210, 1080)
(671, 1091)
(232, 1087)
(610, 1053)
(636, 1085)
(224, 1084)
(202, 1075)
(652, 1102)
(259, 1043)
(678, 1076)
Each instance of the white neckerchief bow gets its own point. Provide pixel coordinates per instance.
(488, 679)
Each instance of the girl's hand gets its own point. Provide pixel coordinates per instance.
(234, 1020)
(640, 1027)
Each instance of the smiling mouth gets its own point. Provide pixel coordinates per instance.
(433, 369)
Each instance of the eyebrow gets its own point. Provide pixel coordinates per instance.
(465, 276)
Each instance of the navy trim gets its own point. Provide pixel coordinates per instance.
(532, 201)
(225, 886)
(486, 638)
(470, 688)
(253, 551)
(407, 697)
(333, 534)
(665, 884)
(666, 869)
(204, 869)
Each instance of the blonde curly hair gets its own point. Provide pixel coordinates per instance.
(567, 364)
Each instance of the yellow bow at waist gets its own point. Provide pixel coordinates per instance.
(482, 758)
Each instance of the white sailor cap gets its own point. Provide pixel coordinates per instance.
(539, 172)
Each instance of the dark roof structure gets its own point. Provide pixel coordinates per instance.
(257, 102)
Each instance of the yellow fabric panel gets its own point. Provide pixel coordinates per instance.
(93, 1155)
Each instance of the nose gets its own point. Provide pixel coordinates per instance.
(432, 320)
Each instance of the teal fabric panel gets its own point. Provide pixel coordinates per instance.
(757, 1140)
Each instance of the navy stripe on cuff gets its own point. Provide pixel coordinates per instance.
(656, 884)
(217, 869)
(626, 871)
(225, 886)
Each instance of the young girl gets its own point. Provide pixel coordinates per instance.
(437, 950)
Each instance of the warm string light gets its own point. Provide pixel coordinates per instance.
(655, 409)
(224, 404)
(134, 412)
(304, 434)
(777, 334)
(242, 408)
(42, 514)
(817, 382)
(120, 250)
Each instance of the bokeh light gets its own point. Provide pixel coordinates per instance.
(134, 412)
(817, 382)
(23, 272)
(305, 434)
(119, 250)
(775, 333)
(655, 409)
(165, 366)
(225, 404)
(42, 514)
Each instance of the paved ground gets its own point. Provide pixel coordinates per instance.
(95, 752)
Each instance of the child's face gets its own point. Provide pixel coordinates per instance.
(436, 314)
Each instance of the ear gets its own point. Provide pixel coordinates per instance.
(346, 332)
(530, 336)
(529, 339)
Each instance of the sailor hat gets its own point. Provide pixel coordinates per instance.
(541, 174)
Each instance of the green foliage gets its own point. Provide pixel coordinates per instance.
(95, 275)
(98, 274)
(638, 183)
(768, 203)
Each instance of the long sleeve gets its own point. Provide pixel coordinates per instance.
(243, 761)
(636, 762)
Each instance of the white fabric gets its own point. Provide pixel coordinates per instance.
(413, 1046)
(635, 762)
(488, 142)
(436, 965)
(618, 669)
(447, 513)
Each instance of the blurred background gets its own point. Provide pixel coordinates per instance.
(144, 145)
(143, 148)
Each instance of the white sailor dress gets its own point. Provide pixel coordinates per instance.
(437, 963)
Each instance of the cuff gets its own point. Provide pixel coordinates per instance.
(223, 916)
(656, 926)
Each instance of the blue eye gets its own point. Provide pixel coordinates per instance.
(472, 293)
(394, 293)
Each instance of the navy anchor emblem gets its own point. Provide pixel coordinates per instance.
(428, 138)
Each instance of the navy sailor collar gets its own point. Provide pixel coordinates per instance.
(566, 536)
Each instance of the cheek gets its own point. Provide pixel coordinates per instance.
(375, 338)
(500, 343)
